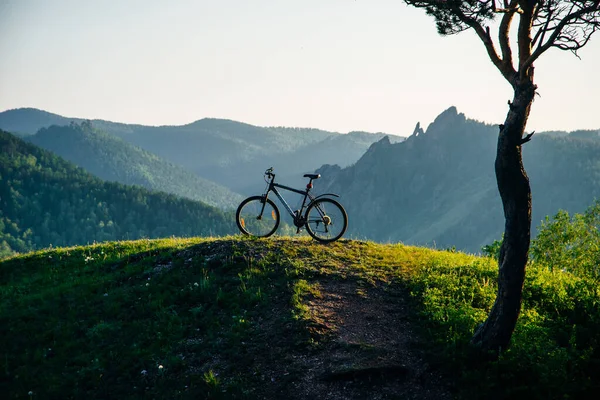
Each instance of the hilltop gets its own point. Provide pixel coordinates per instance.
(283, 318)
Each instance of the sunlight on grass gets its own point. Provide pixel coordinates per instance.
(190, 317)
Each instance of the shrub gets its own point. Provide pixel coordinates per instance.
(570, 243)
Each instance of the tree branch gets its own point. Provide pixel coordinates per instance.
(527, 138)
(505, 69)
(524, 36)
(570, 18)
(503, 31)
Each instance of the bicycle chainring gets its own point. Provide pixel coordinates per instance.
(299, 221)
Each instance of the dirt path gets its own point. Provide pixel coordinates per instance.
(368, 349)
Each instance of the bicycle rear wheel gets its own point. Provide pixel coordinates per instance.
(257, 217)
(326, 220)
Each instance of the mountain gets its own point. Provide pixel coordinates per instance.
(579, 134)
(45, 200)
(27, 121)
(231, 153)
(438, 187)
(208, 143)
(203, 143)
(342, 150)
(112, 159)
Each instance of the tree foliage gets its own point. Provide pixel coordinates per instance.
(570, 244)
(45, 200)
(543, 24)
(113, 159)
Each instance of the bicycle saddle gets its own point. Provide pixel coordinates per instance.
(312, 176)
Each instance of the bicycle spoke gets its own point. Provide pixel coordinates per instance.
(326, 220)
(257, 217)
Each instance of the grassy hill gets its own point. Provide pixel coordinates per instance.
(283, 318)
(111, 158)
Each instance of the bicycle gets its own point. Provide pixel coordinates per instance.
(325, 219)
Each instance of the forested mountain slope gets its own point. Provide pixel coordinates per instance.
(112, 159)
(438, 187)
(342, 150)
(206, 142)
(45, 200)
(27, 121)
(231, 153)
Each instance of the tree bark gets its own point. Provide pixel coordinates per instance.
(494, 335)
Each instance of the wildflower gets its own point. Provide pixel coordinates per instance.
(30, 393)
(196, 284)
(144, 372)
(105, 294)
(160, 367)
(147, 284)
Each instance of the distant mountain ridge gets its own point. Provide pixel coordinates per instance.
(438, 187)
(112, 159)
(231, 153)
(435, 188)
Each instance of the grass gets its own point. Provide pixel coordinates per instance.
(215, 318)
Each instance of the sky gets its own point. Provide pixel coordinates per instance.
(338, 65)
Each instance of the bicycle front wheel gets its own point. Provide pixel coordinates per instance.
(257, 217)
(326, 220)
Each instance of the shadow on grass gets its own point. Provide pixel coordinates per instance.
(145, 318)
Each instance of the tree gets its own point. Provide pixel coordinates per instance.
(542, 24)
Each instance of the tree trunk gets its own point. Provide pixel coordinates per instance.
(493, 336)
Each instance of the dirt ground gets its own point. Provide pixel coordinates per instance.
(366, 349)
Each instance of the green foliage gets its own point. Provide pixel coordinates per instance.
(493, 249)
(446, 13)
(198, 318)
(570, 243)
(113, 159)
(45, 201)
(555, 349)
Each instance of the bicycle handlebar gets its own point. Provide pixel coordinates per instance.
(269, 172)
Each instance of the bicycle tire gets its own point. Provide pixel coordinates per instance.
(248, 212)
(326, 212)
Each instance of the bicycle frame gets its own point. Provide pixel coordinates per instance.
(298, 217)
(273, 188)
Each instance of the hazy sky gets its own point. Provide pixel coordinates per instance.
(339, 65)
